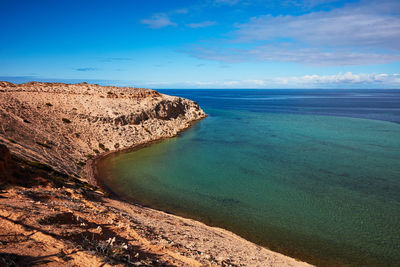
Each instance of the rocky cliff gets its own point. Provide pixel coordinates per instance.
(64, 125)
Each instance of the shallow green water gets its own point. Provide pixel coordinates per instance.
(319, 188)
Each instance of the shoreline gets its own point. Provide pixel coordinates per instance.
(55, 128)
(93, 177)
(91, 171)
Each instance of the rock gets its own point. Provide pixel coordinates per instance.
(93, 114)
(6, 165)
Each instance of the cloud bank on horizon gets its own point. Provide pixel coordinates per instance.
(307, 81)
(205, 44)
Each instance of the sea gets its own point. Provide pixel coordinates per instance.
(312, 174)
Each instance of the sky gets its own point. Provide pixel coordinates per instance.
(202, 44)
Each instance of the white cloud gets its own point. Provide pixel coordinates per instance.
(201, 24)
(256, 82)
(291, 53)
(201, 83)
(340, 80)
(160, 83)
(349, 78)
(357, 34)
(353, 25)
(231, 83)
(226, 2)
(180, 11)
(158, 21)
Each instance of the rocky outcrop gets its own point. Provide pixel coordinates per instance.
(6, 165)
(64, 125)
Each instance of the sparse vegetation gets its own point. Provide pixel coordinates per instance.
(49, 104)
(81, 163)
(96, 151)
(116, 145)
(110, 93)
(103, 147)
(89, 156)
(147, 130)
(12, 141)
(65, 120)
(110, 250)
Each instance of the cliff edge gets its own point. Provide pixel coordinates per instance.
(64, 125)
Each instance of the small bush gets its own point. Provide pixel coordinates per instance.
(96, 151)
(26, 121)
(110, 93)
(65, 120)
(81, 163)
(12, 141)
(116, 145)
(49, 104)
(147, 130)
(102, 146)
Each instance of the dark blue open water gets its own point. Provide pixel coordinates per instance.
(370, 104)
(314, 174)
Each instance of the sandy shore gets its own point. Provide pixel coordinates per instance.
(52, 216)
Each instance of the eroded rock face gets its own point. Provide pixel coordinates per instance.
(167, 109)
(6, 164)
(63, 125)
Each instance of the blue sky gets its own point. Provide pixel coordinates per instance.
(203, 44)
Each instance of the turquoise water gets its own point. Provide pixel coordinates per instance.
(324, 189)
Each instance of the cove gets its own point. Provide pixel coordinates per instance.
(316, 183)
